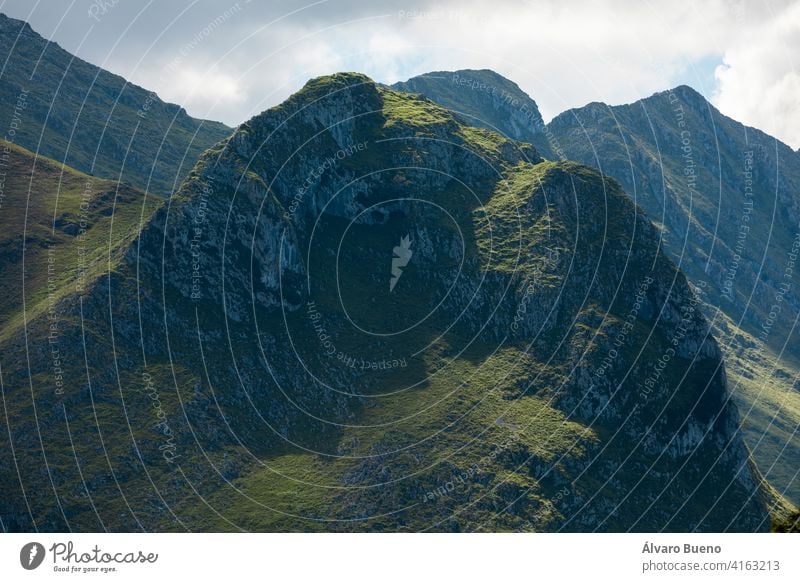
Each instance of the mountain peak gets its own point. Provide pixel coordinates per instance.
(483, 98)
(87, 113)
(346, 86)
(685, 93)
(689, 93)
(337, 81)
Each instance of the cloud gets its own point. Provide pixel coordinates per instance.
(201, 89)
(563, 55)
(757, 82)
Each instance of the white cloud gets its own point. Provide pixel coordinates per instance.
(201, 90)
(757, 82)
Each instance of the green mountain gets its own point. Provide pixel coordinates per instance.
(69, 110)
(360, 313)
(485, 99)
(725, 199)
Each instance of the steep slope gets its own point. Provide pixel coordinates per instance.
(58, 229)
(67, 109)
(360, 313)
(484, 99)
(725, 197)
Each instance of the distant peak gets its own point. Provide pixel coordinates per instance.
(690, 95)
(688, 91)
(483, 98)
(686, 94)
(464, 76)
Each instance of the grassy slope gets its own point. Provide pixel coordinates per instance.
(762, 383)
(82, 467)
(475, 397)
(498, 424)
(484, 99)
(59, 230)
(299, 491)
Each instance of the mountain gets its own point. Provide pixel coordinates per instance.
(69, 110)
(361, 313)
(484, 98)
(725, 198)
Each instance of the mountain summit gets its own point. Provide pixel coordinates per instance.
(725, 198)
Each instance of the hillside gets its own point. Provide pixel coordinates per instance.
(724, 198)
(74, 112)
(361, 313)
(59, 229)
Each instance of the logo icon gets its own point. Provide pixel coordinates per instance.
(31, 555)
(402, 254)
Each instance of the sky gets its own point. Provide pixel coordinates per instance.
(229, 60)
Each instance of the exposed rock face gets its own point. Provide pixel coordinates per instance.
(718, 188)
(724, 197)
(538, 363)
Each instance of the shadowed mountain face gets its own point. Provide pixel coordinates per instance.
(67, 109)
(59, 228)
(725, 196)
(361, 313)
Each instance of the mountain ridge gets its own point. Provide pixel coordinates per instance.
(656, 173)
(94, 120)
(723, 193)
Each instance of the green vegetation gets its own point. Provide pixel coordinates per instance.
(408, 110)
(762, 383)
(60, 230)
(482, 98)
(723, 196)
(463, 420)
